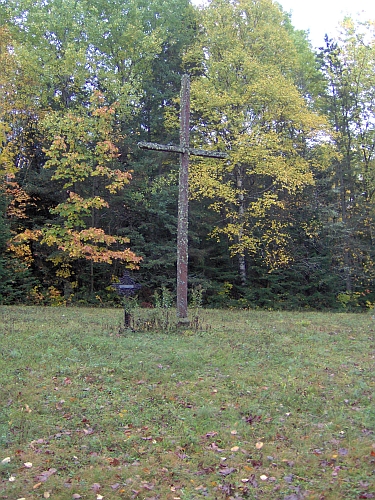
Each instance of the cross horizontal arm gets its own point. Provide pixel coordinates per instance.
(179, 149)
(161, 147)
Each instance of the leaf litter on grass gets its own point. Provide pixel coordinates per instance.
(278, 410)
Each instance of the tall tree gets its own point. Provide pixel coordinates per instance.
(84, 156)
(349, 102)
(247, 103)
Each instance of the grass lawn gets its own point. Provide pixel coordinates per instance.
(259, 405)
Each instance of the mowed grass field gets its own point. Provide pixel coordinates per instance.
(252, 404)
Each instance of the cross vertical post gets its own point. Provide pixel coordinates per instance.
(183, 197)
(185, 151)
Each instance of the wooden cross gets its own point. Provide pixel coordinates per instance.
(183, 193)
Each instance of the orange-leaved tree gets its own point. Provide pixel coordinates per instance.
(85, 162)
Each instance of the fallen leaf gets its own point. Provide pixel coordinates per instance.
(204, 470)
(259, 445)
(28, 465)
(235, 448)
(27, 409)
(5, 460)
(364, 484)
(253, 481)
(234, 432)
(227, 489)
(96, 487)
(36, 486)
(114, 462)
(343, 451)
(253, 418)
(45, 475)
(215, 447)
(12, 479)
(148, 486)
(115, 486)
(75, 496)
(225, 471)
(290, 463)
(46, 494)
(263, 477)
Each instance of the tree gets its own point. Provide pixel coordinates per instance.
(349, 102)
(247, 103)
(84, 156)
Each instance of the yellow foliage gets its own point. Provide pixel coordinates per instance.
(19, 245)
(248, 105)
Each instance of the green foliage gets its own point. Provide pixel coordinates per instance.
(349, 103)
(4, 227)
(163, 299)
(287, 222)
(16, 280)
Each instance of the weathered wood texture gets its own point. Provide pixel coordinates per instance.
(178, 149)
(183, 201)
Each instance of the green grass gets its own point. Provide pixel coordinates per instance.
(100, 413)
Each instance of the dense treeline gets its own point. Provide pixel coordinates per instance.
(286, 222)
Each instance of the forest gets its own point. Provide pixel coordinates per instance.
(286, 222)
